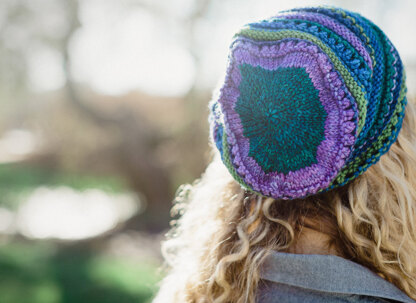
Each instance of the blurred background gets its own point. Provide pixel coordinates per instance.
(103, 115)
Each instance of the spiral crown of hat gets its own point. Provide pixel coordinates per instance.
(310, 99)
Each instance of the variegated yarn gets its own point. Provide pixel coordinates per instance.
(311, 98)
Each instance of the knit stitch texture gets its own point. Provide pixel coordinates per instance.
(311, 98)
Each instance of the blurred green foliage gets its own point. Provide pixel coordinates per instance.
(40, 272)
(18, 180)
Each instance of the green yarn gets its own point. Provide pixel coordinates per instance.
(282, 116)
(376, 149)
(385, 103)
(355, 89)
(228, 162)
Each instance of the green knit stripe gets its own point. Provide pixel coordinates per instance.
(375, 150)
(229, 164)
(356, 90)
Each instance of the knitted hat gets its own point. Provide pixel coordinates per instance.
(311, 98)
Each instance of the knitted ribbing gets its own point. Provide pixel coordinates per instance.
(311, 98)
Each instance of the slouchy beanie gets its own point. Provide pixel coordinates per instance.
(310, 99)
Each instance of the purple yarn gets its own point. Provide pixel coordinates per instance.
(336, 27)
(340, 124)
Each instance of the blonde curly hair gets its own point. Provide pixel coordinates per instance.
(224, 233)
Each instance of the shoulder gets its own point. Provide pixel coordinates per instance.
(272, 292)
(322, 278)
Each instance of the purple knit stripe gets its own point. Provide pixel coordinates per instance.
(338, 127)
(336, 27)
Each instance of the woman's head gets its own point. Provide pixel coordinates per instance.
(234, 215)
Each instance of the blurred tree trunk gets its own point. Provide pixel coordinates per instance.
(135, 153)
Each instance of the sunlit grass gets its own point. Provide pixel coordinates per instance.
(130, 276)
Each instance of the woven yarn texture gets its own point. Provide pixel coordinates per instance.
(311, 98)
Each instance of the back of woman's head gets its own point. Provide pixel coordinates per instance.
(216, 247)
(230, 220)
